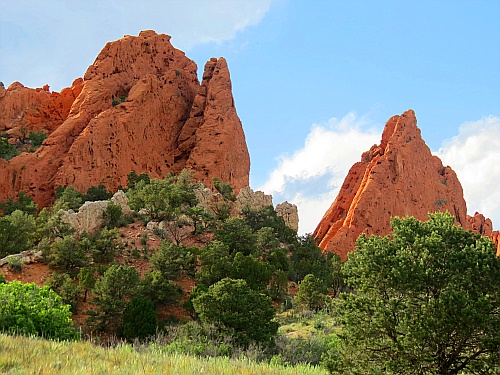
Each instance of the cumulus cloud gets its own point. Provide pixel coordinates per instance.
(313, 175)
(63, 38)
(474, 154)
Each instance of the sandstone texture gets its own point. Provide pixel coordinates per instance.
(479, 224)
(289, 213)
(142, 108)
(398, 177)
(90, 216)
(23, 109)
(213, 202)
(254, 200)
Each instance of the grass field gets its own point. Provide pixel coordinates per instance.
(22, 355)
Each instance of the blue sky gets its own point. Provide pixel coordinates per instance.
(314, 81)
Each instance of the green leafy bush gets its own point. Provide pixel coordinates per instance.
(117, 284)
(113, 215)
(30, 310)
(139, 320)
(173, 261)
(16, 233)
(23, 203)
(159, 289)
(37, 138)
(97, 193)
(67, 198)
(7, 151)
(238, 310)
(63, 285)
(312, 293)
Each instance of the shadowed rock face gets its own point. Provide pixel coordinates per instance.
(398, 177)
(141, 108)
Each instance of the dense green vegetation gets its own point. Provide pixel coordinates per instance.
(29, 310)
(421, 302)
(427, 301)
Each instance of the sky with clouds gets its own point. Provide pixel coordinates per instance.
(314, 81)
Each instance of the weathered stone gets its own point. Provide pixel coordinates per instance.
(141, 108)
(25, 257)
(289, 213)
(479, 224)
(121, 199)
(209, 200)
(399, 177)
(89, 217)
(254, 200)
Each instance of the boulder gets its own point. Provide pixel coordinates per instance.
(289, 213)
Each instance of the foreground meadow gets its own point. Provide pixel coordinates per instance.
(22, 355)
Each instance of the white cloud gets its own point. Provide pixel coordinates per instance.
(313, 175)
(474, 154)
(63, 38)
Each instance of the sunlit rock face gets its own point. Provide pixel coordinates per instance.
(140, 107)
(398, 177)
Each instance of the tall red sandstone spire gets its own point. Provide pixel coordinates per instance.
(399, 177)
(141, 108)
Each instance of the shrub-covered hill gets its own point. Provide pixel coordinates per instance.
(162, 245)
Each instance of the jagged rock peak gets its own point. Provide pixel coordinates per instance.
(398, 177)
(142, 108)
(479, 224)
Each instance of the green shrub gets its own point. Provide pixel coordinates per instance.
(97, 193)
(312, 293)
(112, 215)
(139, 320)
(67, 198)
(239, 310)
(30, 310)
(15, 263)
(16, 233)
(37, 138)
(173, 261)
(23, 203)
(157, 288)
(7, 151)
(117, 284)
(68, 254)
(63, 285)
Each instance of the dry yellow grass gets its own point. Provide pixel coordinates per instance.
(22, 355)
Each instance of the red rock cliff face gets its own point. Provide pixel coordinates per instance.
(35, 109)
(399, 177)
(164, 121)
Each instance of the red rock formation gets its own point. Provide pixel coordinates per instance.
(479, 224)
(35, 109)
(399, 177)
(141, 108)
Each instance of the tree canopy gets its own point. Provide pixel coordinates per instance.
(246, 313)
(426, 301)
(30, 310)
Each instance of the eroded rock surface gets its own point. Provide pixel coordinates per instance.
(398, 177)
(289, 213)
(479, 224)
(141, 108)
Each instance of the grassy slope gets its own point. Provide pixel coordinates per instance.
(21, 355)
